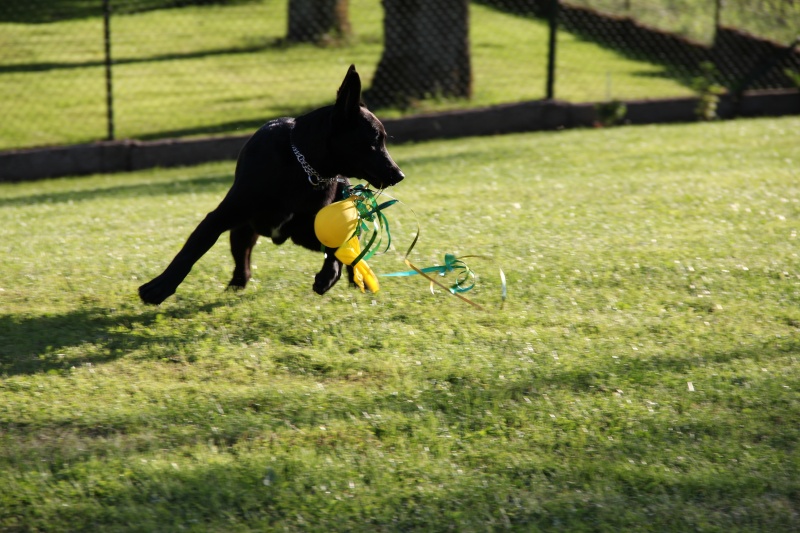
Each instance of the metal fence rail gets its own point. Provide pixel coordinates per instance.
(75, 71)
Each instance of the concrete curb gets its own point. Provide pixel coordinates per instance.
(127, 155)
(552, 115)
(114, 156)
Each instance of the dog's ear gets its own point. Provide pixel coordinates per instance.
(348, 99)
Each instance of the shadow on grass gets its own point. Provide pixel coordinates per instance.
(650, 371)
(236, 126)
(523, 486)
(195, 185)
(538, 492)
(605, 378)
(31, 344)
(669, 72)
(47, 11)
(269, 44)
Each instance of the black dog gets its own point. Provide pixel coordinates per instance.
(286, 172)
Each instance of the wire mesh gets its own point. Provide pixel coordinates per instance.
(182, 68)
(745, 44)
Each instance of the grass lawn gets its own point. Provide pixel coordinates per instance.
(642, 374)
(223, 69)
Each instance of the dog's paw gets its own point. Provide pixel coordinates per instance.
(322, 287)
(155, 292)
(236, 284)
(325, 280)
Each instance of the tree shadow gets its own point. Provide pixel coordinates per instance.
(648, 371)
(238, 126)
(31, 344)
(605, 378)
(47, 11)
(668, 71)
(533, 494)
(268, 44)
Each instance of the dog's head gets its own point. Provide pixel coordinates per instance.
(358, 139)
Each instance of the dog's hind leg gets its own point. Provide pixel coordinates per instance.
(243, 239)
(198, 243)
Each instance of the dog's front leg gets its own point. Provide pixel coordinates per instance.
(329, 274)
(198, 243)
(243, 239)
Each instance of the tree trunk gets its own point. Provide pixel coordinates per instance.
(425, 54)
(314, 21)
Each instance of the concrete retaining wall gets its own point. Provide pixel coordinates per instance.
(120, 156)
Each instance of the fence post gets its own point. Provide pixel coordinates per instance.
(551, 53)
(109, 87)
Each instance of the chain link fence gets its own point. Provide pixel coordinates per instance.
(74, 71)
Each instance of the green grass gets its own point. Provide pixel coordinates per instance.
(638, 259)
(223, 69)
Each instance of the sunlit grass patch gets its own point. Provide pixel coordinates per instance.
(642, 373)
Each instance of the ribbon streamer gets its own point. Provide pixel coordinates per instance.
(370, 211)
(373, 223)
(503, 288)
(435, 282)
(464, 282)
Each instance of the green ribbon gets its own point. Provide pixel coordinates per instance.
(465, 279)
(369, 211)
(372, 222)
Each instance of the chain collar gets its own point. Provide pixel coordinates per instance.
(316, 181)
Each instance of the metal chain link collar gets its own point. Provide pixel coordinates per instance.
(314, 178)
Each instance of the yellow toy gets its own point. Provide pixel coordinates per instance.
(335, 226)
(362, 273)
(336, 222)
